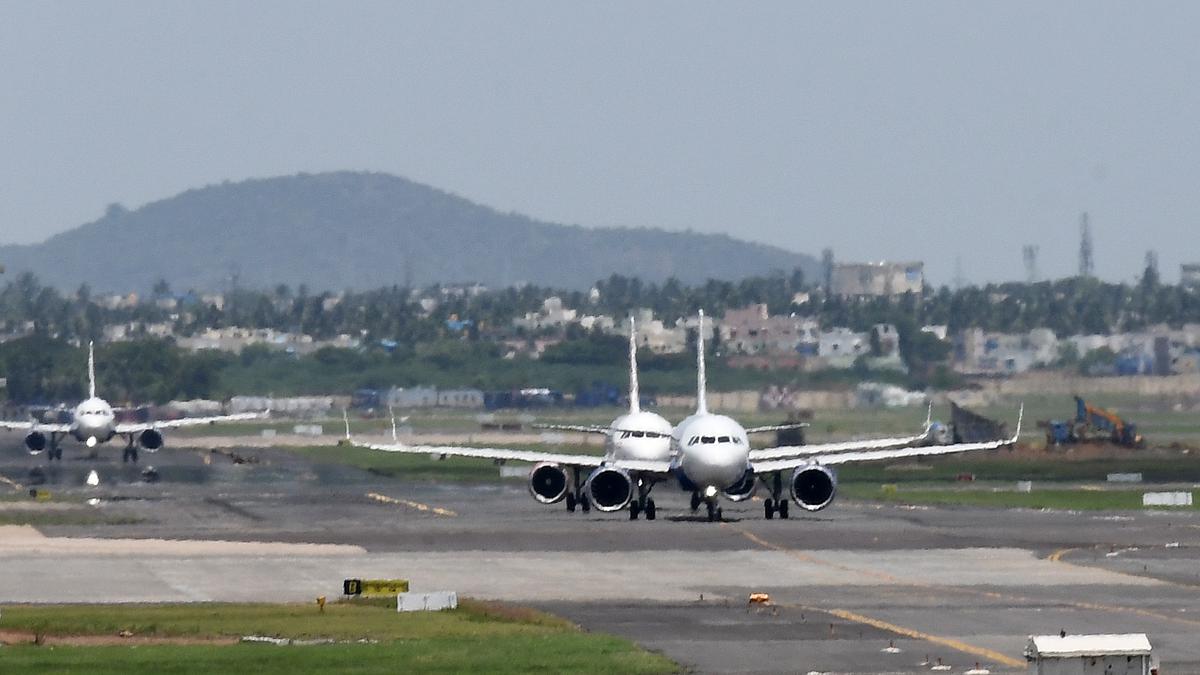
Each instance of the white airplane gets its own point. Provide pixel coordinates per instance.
(709, 456)
(94, 422)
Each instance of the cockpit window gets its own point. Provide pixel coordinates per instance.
(707, 440)
(723, 439)
(638, 434)
(695, 440)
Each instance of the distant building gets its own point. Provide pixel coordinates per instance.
(1189, 276)
(751, 330)
(875, 280)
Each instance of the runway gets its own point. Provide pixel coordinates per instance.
(857, 588)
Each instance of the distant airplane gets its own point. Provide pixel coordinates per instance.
(708, 455)
(94, 422)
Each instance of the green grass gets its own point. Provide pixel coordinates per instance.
(1081, 500)
(477, 637)
(576, 653)
(405, 466)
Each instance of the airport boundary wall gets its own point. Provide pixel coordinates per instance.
(1051, 382)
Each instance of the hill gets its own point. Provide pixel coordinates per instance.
(365, 230)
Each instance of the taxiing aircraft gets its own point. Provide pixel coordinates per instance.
(94, 422)
(709, 455)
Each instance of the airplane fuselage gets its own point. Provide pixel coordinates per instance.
(711, 452)
(94, 422)
(639, 435)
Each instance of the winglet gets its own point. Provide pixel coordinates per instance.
(701, 377)
(1020, 418)
(346, 420)
(91, 370)
(392, 412)
(635, 404)
(929, 418)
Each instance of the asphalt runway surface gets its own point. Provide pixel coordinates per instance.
(857, 588)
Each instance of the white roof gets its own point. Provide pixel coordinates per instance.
(1131, 644)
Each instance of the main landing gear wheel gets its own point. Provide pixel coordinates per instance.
(131, 455)
(634, 509)
(651, 511)
(584, 503)
(783, 508)
(570, 503)
(55, 453)
(695, 501)
(769, 508)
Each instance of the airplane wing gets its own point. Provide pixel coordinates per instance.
(785, 451)
(777, 427)
(582, 428)
(28, 425)
(137, 427)
(509, 454)
(841, 446)
(769, 466)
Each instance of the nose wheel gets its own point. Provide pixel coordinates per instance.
(714, 512)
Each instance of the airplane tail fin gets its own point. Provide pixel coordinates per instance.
(701, 376)
(635, 404)
(91, 370)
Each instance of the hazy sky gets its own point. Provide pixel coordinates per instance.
(900, 130)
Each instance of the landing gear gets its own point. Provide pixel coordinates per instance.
(643, 503)
(575, 496)
(695, 501)
(777, 503)
(714, 512)
(639, 507)
(131, 454)
(54, 451)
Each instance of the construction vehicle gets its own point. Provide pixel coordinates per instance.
(1092, 424)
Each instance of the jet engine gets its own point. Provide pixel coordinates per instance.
(548, 482)
(813, 487)
(151, 440)
(36, 442)
(744, 488)
(609, 488)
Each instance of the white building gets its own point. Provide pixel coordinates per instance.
(1129, 654)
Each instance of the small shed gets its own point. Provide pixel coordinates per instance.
(1128, 654)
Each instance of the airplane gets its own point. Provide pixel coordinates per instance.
(709, 457)
(94, 422)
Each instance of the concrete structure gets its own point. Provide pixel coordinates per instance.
(841, 346)
(874, 280)
(460, 398)
(552, 315)
(751, 330)
(1128, 654)
(1189, 276)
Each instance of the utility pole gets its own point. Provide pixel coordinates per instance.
(959, 280)
(1087, 267)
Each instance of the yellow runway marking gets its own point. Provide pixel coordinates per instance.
(1057, 555)
(964, 590)
(957, 645)
(411, 504)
